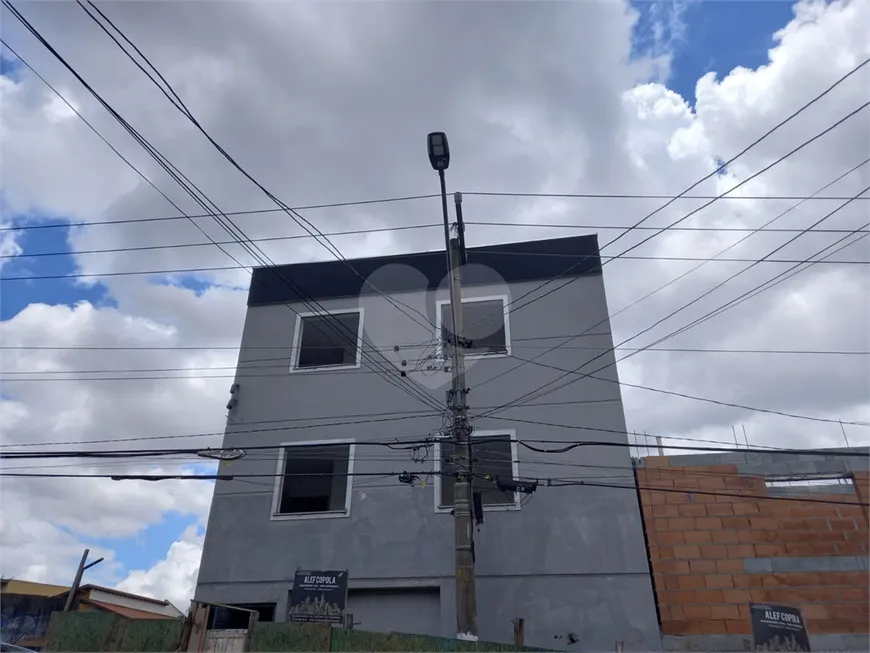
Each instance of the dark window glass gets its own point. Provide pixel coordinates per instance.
(328, 340)
(483, 323)
(315, 479)
(492, 455)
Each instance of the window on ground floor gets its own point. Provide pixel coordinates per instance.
(493, 455)
(227, 617)
(315, 479)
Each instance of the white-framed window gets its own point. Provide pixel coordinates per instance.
(313, 479)
(327, 341)
(494, 454)
(485, 324)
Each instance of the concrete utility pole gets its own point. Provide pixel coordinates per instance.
(466, 597)
(78, 579)
(83, 565)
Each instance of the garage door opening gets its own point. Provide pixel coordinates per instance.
(415, 611)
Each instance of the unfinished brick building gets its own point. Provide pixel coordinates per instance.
(711, 554)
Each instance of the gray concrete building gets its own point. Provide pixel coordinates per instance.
(349, 355)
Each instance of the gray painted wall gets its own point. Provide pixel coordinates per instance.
(572, 561)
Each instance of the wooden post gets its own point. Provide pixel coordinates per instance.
(348, 621)
(519, 632)
(187, 628)
(253, 618)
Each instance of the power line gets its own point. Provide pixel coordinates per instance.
(171, 170)
(409, 444)
(524, 225)
(242, 369)
(680, 473)
(226, 268)
(598, 227)
(672, 258)
(162, 377)
(547, 482)
(148, 248)
(636, 196)
(278, 424)
(696, 210)
(767, 285)
(568, 482)
(568, 445)
(705, 178)
(601, 354)
(176, 101)
(718, 311)
(195, 193)
(409, 387)
(673, 393)
(697, 350)
(594, 481)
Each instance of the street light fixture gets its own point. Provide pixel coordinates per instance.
(439, 157)
(439, 151)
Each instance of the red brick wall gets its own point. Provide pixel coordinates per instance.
(697, 544)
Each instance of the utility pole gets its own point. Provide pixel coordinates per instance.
(78, 579)
(466, 599)
(83, 565)
(466, 596)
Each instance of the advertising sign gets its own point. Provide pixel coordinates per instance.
(778, 628)
(318, 596)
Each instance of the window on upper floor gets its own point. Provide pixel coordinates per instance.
(328, 341)
(314, 480)
(485, 326)
(493, 456)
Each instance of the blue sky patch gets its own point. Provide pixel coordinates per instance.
(10, 67)
(17, 295)
(197, 285)
(144, 550)
(661, 26)
(720, 36)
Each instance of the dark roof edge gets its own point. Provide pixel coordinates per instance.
(534, 260)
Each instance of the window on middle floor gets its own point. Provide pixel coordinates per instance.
(493, 456)
(329, 341)
(315, 479)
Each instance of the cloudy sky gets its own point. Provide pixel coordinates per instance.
(329, 103)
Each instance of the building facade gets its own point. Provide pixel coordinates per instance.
(714, 549)
(337, 358)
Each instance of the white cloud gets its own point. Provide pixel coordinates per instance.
(174, 577)
(553, 105)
